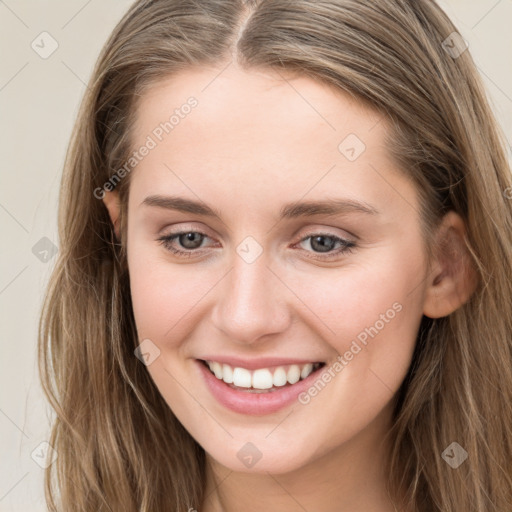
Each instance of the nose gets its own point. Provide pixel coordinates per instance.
(251, 303)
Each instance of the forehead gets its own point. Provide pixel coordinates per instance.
(253, 136)
(258, 101)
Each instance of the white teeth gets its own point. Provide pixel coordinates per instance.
(217, 369)
(241, 378)
(262, 378)
(293, 374)
(279, 376)
(306, 370)
(227, 374)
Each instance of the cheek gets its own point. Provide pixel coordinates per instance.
(163, 293)
(348, 300)
(370, 314)
(172, 299)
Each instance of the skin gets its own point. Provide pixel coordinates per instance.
(254, 143)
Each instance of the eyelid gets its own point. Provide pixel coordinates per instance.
(180, 228)
(329, 231)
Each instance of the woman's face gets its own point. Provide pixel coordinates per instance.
(315, 256)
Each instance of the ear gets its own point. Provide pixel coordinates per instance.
(453, 278)
(111, 201)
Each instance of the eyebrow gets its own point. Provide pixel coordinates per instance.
(288, 211)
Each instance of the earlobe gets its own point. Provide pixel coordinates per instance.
(111, 201)
(453, 278)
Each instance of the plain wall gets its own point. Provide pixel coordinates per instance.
(39, 99)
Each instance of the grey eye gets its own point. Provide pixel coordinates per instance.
(319, 243)
(191, 240)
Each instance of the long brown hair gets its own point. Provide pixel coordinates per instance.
(119, 446)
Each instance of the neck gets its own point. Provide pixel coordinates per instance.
(351, 477)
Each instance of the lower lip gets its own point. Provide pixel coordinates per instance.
(255, 404)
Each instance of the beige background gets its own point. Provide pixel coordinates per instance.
(38, 104)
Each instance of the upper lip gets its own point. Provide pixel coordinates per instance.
(259, 362)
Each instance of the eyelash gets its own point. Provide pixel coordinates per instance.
(347, 245)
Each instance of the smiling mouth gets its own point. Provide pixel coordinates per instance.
(262, 380)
